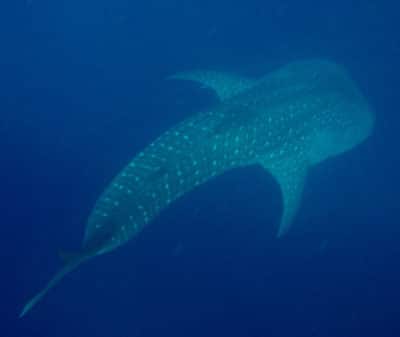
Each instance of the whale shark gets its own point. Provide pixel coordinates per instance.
(286, 121)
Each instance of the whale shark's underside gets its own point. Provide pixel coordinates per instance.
(286, 121)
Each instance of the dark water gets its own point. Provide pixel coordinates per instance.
(82, 90)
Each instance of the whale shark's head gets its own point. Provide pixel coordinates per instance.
(360, 125)
(342, 127)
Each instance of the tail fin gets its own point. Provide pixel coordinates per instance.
(68, 267)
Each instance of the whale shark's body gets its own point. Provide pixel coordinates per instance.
(287, 121)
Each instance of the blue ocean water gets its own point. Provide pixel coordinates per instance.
(83, 89)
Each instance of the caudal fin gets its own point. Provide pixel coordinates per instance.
(56, 278)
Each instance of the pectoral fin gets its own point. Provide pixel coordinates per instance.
(291, 175)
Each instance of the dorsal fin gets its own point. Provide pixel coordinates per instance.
(225, 85)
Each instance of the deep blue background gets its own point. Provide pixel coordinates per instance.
(82, 90)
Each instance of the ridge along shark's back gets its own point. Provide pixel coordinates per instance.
(297, 116)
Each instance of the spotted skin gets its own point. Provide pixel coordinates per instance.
(295, 117)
